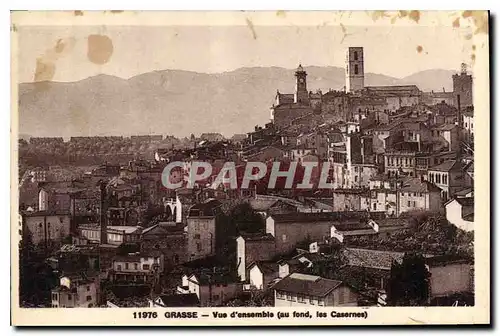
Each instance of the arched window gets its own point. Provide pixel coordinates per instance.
(355, 55)
(356, 70)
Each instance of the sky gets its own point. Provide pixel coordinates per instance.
(392, 50)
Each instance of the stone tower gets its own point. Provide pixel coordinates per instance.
(355, 69)
(462, 85)
(301, 95)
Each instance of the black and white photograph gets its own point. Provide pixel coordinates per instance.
(321, 167)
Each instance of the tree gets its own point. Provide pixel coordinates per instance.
(246, 219)
(409, 282)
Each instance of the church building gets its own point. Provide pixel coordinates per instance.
(307, 108)
(289, 107)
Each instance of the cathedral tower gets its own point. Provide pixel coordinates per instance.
(462, 85)
(355, 69)
(301, 95)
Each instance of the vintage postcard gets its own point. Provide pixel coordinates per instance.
(250, 168)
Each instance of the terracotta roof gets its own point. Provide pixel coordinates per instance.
(262, 204)
(286, 98)
(257, 236)
(266, 267)
(310, 285)
(319, 216)
(417, 185)
(464, 192)
(372, 258)
(446, 260)
(465, 201)
(445, 127)
(45, 213)
(469, 217)
(447, 166)
(180, 300)
(206, 278)
(208, 208)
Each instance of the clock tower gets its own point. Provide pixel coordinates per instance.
(301, 95)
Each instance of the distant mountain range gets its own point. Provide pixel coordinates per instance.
(177, 102)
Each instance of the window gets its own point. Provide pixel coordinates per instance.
(280, 295)
(119, 267)
(374, 206)
(355, 55)
(126, 265)
(69, 297)
(197, 236)
(88, 288)
(409, 204)
(414, 204)
(89, 297)
(321, 302)
(136, 266)
(301, 298)
(356, 70)
(145, 267)
(289, 297)
(445, 179)
(311, 300)
(198, 247)
(54, 296)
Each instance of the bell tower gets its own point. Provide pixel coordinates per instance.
(462, 85)
(301, 95)
(354, 69)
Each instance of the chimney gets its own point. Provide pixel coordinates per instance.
(103, 213)
(459, 123)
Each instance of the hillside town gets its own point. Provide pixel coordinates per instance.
(98, 227)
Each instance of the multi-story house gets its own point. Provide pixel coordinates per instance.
(116, 235)
(211, 288)
(303, 290)
(137, 267)
(450, 177)
(74, 292)
(262, 274)
(468, 124)
(201, 227)
(169, 238)
(416, 194)
(448, 133)
(460, 212)
(46, 227)
(398, 195)
(251, 248)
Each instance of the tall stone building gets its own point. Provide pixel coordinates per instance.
(355, 69)
(301, 95)
(462, 85)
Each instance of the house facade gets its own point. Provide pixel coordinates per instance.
(74, 292)
(303, 290)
